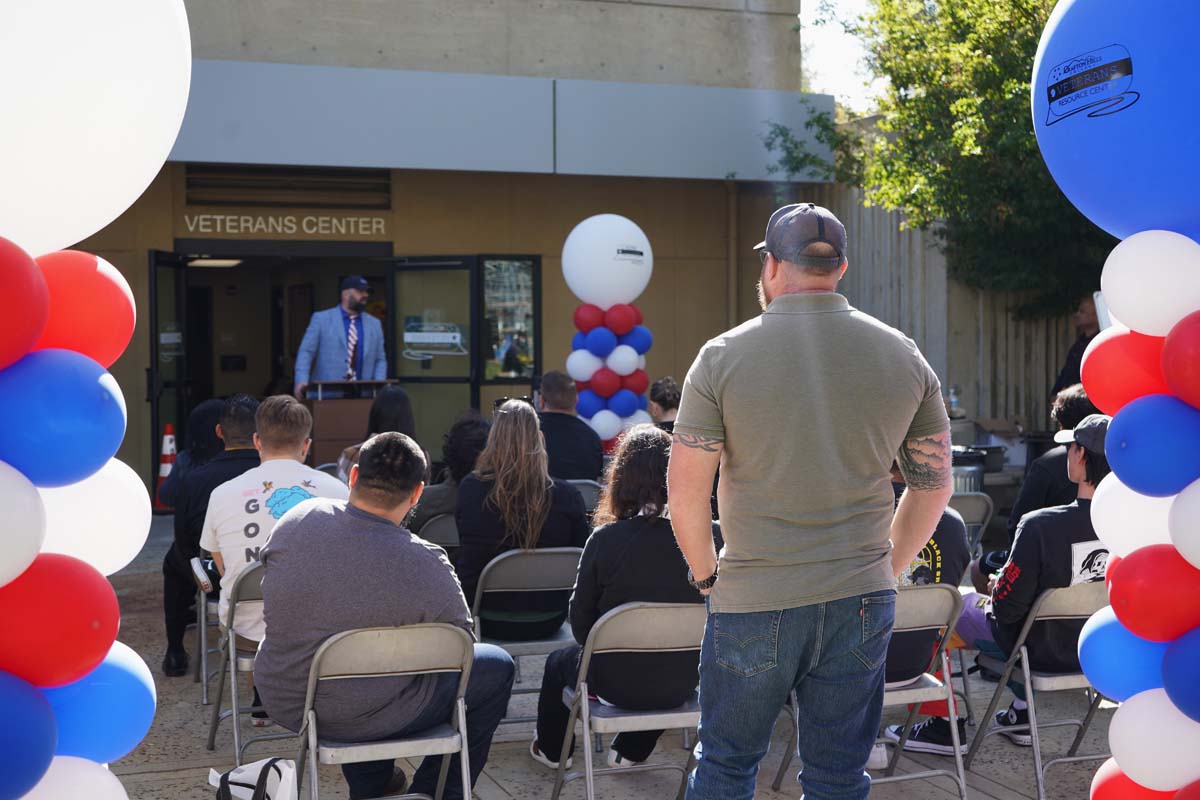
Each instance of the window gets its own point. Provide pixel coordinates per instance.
(509, 317)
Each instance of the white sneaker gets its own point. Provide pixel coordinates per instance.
(537, 756)
(618, 761)
(879, 757)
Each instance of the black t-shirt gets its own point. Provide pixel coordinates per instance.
(1055, 548)
(575, 450)
(1046, 485)
(1069, 375)
(192, 503)
(943, 560)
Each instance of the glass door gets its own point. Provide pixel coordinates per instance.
(168, 382)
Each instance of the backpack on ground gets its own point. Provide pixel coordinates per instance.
(269, 779)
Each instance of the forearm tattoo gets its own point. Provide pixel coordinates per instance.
(698, 442)
(925, 462)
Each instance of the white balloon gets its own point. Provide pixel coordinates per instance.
(1125, 520)
(24, 523)
(71, 778)
(1152, 280)
(606, 424)
(103, 519)
(1154, 742)
(638, 417)
(94, 96)
(1185, 524)
(641, 362)
(623, 360)
(582, 365)
(607, 260)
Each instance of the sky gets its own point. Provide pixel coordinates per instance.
(834, 58)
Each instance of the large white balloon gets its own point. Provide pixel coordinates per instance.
(1185, 524)
(607, 260)
(24, 523)
(1152, 280)
(606, 424)
(93, 97)
(1125, 520)
(103, 520)
(582, 365)
(1155, 743)
(71, 778)
(638, 417)
(623, 360)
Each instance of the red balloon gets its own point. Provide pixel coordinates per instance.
(1119, 366)
(91, 306)
(24, 303)
(58, 620)
(1181, 359)
(638, 313)
(610, 445)
(1189, 792)
(581, 386)
(1112, 562)
(605, 382)
(588, 316)
(620, 319)
(637, 382)
(1110, 783)
(1155, 593)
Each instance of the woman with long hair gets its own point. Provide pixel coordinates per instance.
(202, 443)
(391, 411)
(631, 557)
(509, 502)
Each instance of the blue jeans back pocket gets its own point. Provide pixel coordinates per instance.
(747, 644)
(878, 615)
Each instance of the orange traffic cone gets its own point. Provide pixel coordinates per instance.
(165, 463)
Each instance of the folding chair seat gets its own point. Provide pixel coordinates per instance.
(206, 616)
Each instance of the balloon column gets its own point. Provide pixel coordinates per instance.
(607, 262)
(1105, 108)
(74, 698)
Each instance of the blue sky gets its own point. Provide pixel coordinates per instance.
(834, 57)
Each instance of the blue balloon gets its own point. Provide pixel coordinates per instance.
(624, 403)
(643, 402)
(639, 339)
(27, 737)
(1109, 118)
(578, 341)
(106, 713)
(1118, 663)
(65, 417)
(1153, 445)
(601, 342)
(1181, 673)
(589, 403)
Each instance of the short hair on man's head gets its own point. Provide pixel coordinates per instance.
(559, 391)
(1096, 466)
(1070, 406)
(818, 250)
(390, 467)
(283, 423)
(237, 420)
(463, 443)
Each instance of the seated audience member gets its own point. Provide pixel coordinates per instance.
(509, 502)
(664, 403)
(333, 566)
(461, 448)
(391, 411)
(574, 449)
(1055, 548)
(236, 429)
(631, 557)
(202, 445)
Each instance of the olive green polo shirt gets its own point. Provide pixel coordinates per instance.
(813, 400)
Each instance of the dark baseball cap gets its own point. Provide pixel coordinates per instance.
(794, 227)
(356, 282)
(1088, 434)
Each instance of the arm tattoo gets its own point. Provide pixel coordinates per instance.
(698, 442)
(925, 462)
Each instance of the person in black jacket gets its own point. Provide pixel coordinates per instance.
(508, 502)
(575, 451)
(631, 557)
(202, 445)
(236, 429)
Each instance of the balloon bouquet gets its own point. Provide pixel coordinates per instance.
(607, 262)
(1122, 145)
(88, 129)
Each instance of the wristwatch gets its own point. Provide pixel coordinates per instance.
(707, 583)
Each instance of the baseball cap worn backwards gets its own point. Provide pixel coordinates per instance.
(794, 227)
(1088, 434)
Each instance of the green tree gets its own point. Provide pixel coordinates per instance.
(953, 146)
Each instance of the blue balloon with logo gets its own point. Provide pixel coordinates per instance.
(640, 339)
(1181, 673)
(1153, 444)
(600, 342)
(589, 403)
(27, 737)
(1118, 663)
(624, 403)
(1114, 111)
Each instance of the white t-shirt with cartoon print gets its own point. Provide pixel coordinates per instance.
(241, 516)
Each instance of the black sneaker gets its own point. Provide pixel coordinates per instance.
(931, 736)
(1013, 718)
(175, 663)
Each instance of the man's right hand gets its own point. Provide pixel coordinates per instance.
(300, 388)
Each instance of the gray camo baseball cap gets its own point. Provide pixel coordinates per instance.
(794, 227)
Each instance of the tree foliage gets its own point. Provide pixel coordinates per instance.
(954, 147)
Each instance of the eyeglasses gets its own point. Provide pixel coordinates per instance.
(762, 255)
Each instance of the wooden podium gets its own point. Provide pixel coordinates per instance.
(340, 410)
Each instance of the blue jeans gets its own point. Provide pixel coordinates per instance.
(833, 654)
(488, 690)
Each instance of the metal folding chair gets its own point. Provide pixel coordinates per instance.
(369, 653)
(918, 608)
(441, 530)
(544, 570)
(976, 509)
(590, 491)
(631, 628)
(329, 468)
(1077, 602)
(206, 609)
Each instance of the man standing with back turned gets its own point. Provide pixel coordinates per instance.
(804, 409)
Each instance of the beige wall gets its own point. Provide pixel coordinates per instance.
(735, 43)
